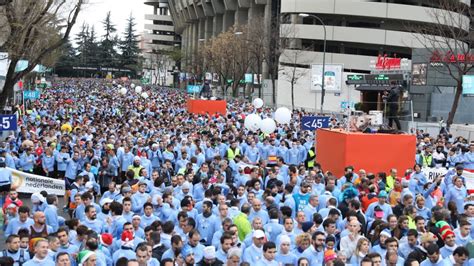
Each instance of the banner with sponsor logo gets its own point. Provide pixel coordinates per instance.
(432, 173)
(29, 183)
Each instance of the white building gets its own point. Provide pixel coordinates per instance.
(159, 38)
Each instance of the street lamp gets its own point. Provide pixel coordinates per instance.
(323, 91)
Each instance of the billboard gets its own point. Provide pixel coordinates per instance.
(419, 74)
(468, 85)
(332, 77)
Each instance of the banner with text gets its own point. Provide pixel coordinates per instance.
(432, 173)
(29, 183)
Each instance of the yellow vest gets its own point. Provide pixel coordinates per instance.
(231, 154)
(426, 160)
(311, 162)
(136, 170)
(390, 183)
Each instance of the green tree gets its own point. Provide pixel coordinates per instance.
(92, 51)
(81, 42)
(67, 59)
(129, 45)
(109, 42)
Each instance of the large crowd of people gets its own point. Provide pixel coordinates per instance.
(147, 183)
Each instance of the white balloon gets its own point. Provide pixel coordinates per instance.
(252, 122)
(132, 86)
(138, 89)
(144, 95)
(283, 115)
(257, 103)
(268, 126)
(123, 91)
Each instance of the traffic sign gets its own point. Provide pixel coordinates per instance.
(314, 122)
(8, 122)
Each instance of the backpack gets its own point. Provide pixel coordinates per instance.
(21, 260)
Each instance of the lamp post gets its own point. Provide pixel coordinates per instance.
(323, 91)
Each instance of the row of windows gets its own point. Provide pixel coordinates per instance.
(163, 22)
(355, 48)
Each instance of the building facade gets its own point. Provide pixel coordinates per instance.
(159, 39)
(357, 32)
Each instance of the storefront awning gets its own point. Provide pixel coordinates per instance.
(372, 88)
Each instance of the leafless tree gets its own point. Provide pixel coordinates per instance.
(449, 42)
(34, 30)
(227, 55)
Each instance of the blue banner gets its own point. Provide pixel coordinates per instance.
(314, 122)
(31, 95)
(8, 122)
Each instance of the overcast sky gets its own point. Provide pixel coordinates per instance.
(96, 11)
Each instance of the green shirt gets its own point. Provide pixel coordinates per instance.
(243, 225)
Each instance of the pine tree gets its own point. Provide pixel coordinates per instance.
(67, 60)
(109, 42)
(92, 48)
(81, 41)
(129, 45)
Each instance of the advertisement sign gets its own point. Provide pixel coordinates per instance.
(347, 104)
(387, 63)
(248, 78)
(8, 122)
(29, 183)
(468, 85)
(419, 74)
(332, 77)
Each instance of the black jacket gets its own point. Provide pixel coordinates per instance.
(157, 252)
(215, 263)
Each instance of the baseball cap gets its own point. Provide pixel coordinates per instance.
(383, 194)
(258, 234)
(209, 252)
(378, 213)
(186, 251)
(386, 233)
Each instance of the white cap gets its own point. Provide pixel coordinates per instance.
(136, 158)
(285, 239)
(258, 234)
(186, 185)
(210, 252)
(234, 252)
(89, 185)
